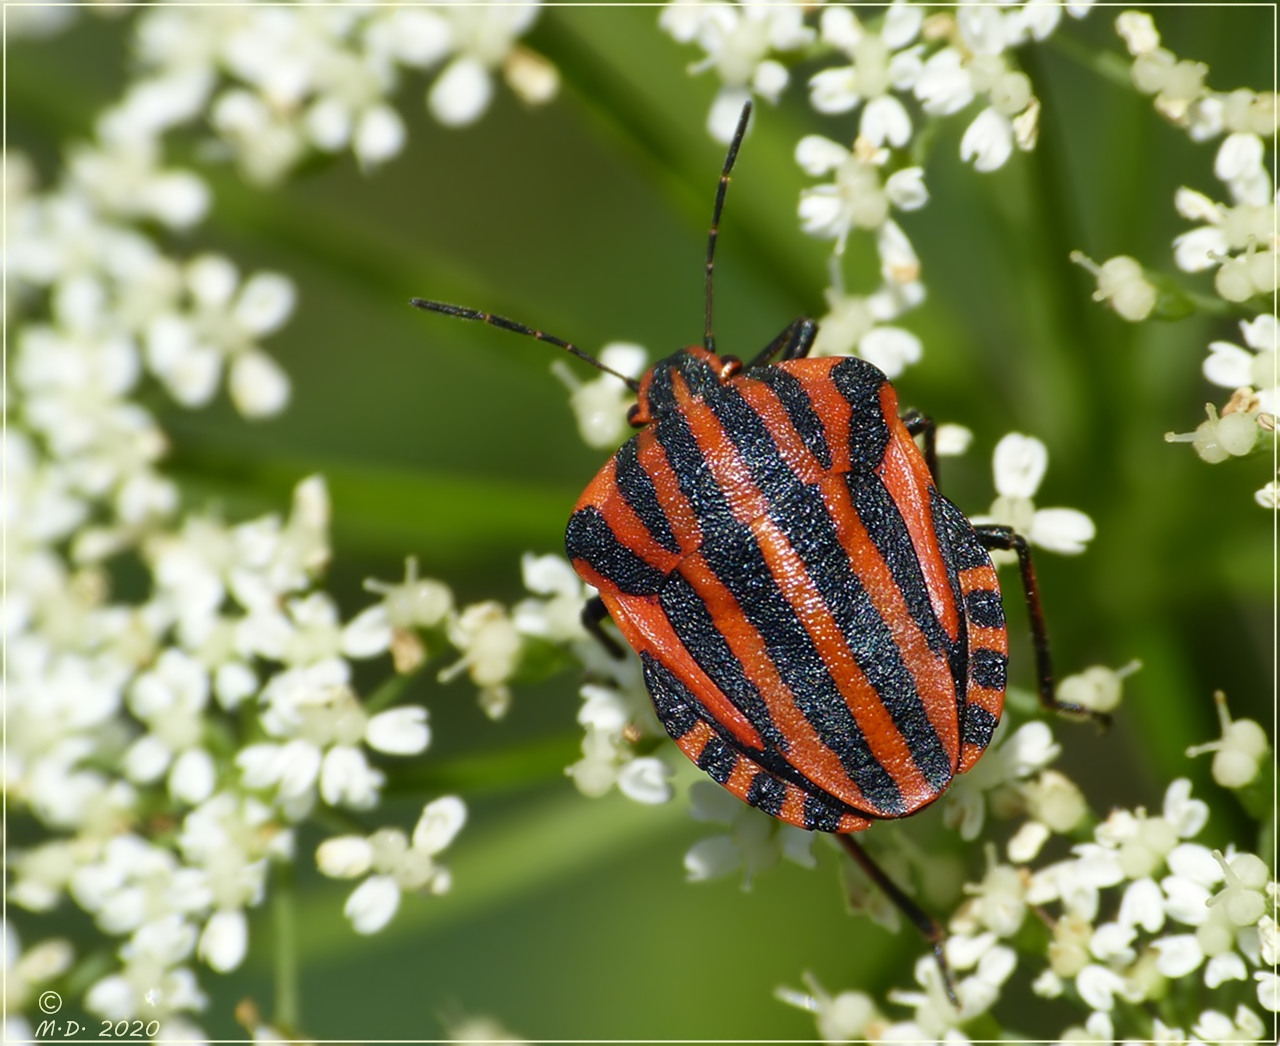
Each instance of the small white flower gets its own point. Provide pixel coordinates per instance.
(1238, 754)
(222, 324)
(1231, 366)
(882, 62)
(486, 636)
(841, 1018)
(397, 863)
(1123, 285)
(1097, 687)
(739, 41)
(600, 405)
(1019, 466)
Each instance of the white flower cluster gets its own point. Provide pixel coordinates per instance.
(616, 711)
(1234, 239)
(166, 739)
(281, 82)
(1140, 908)
(909, 58)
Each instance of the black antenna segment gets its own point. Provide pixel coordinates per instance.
(708, 339)
(464, 313)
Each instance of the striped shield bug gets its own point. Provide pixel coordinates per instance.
(820, 630)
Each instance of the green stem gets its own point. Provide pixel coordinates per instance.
(285, 926)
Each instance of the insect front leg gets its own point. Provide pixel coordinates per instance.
(921, 424)
(594, 613)
(997, 537)
(795, 342)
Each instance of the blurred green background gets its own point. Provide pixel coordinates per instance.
(570, 918)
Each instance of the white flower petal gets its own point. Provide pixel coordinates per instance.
(906, 189)
(418, 36)
(817, 155)
(1262, 334)
(711, 858)
(259, 386)
(265, 302)
(347, 779)
(821, 212)
(891, 349)
(328, 124)
(1062, 530)
(380, 135)
(1228, 365)
(368, 633)
(1019, 465)
(193, 776)
(372, 904)
(1178, 955)
(901, 24)
(1186, 814)
(440, 822)
(646, 780)
(299, 767)
(225, 940)
(177, 198)
(146, 759)
(1028, 841)
(944, 86)
(840, 28)
(399, 731)
(1240, 156)
(769, 80)
(834, 90)
(1098, 986)
(885, 120)
(212, 279)
(1199, 249)
(1222, 968)
(344, 856)
(722, 121)
(461, 93)
(988, 141)
(1268, 991)
(1142, 905)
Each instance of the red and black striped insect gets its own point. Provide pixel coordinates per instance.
(820, 630)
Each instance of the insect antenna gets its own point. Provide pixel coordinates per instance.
(708, 339)
(464, 313)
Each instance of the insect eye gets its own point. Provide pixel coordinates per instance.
(634, 418)
(730, 366)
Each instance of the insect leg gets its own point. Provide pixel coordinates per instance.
(917, 424)
(593, 614)
(795, 342)
(1010, 540)
(928, 926)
